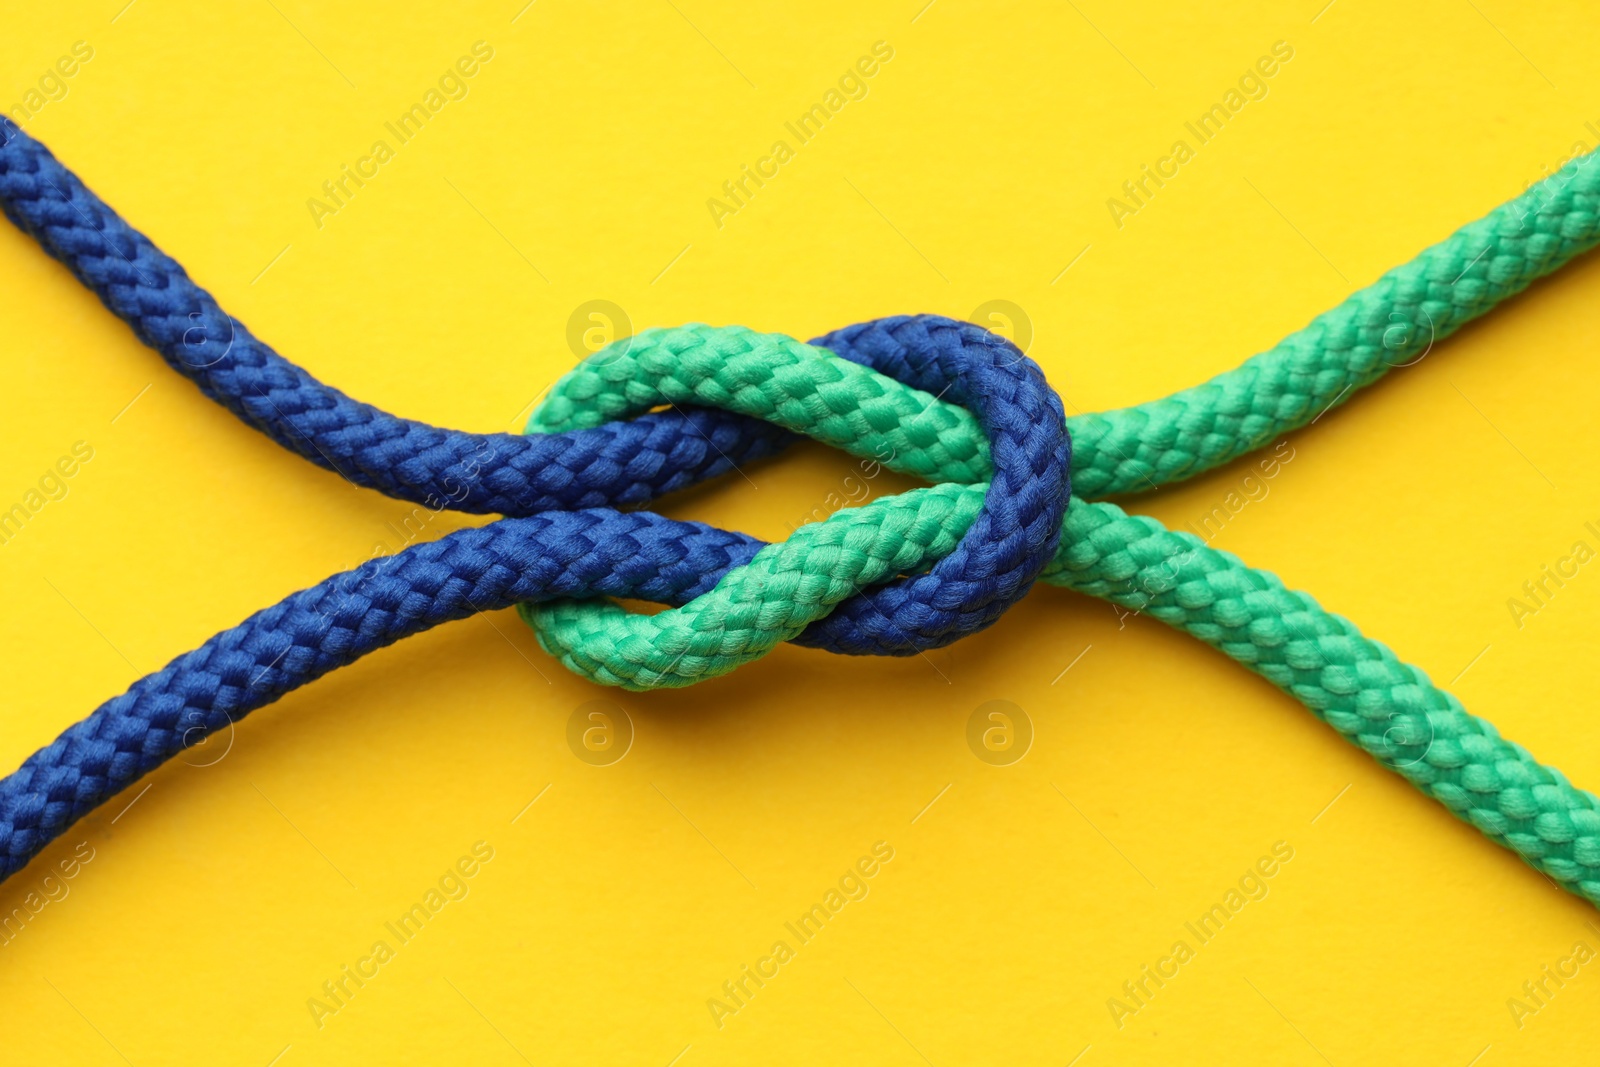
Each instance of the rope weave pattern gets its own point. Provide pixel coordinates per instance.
(336, 622)
(1356, 685)
(1389, 324)
(507, 474)
(755, 607)
(1012, 434)
(1130, 450)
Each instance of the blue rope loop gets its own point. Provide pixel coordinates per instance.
(592, 552)
(563, 537)
(616, 464)
(1016, 533)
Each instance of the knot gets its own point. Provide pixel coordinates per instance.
(923, 395)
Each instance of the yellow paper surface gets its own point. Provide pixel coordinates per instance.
(969, 175)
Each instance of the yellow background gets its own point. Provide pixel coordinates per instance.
(976, 169)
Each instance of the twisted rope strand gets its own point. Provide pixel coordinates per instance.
(1356, 685)
(499, 473)
(1382, 326)
(333, 623)
(757, 606)
(773, 377)
(1391, 323)
(1013, 434)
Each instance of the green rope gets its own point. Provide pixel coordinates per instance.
(774, 377)
(1360, 688)
(1389, 324)
(758, 606)
(812, 392)
(1354, 684)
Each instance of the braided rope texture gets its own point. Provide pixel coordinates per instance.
(1129, 450)
(1358, 686)
(757, 606)
(775, 378)
(604, 462)
(1354, 684)
(309, 633)
(1013, 434)
(508, 474)
(1390, 323)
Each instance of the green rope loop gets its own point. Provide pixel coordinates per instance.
(1388, 708)
(774, 377)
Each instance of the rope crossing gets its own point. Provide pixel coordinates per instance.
(941, 400)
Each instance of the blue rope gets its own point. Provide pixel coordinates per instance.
(555, 547)
(615, 464)
(593, 552)
(498, 473)
(1019, 528)
(561, 541)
